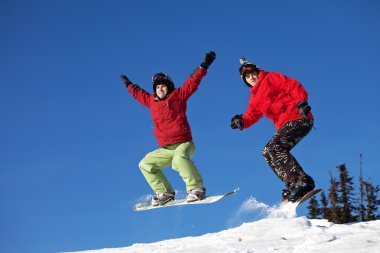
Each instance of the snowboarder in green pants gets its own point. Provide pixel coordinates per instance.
(168, 110)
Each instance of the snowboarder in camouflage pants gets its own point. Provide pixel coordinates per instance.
(284, 101)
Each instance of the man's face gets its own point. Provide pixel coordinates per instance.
(161, 91)
(252, 78)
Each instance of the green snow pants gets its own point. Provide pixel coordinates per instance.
(178, 156)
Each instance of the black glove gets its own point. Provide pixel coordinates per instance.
(237, 122)
(125, 80)
(209, 58)
(304, 109)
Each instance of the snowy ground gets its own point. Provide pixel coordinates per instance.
(280, 231)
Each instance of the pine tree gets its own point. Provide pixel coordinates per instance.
(361, 208)
(314, 209)
(346, 199)
(325, 210)
(372, 201)
(334, 212)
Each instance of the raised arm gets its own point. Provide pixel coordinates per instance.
(139, 94)
(191, 84)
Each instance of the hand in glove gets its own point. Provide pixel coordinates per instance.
(125, 80)
(237, 122)
(304, 109)
(209, 58)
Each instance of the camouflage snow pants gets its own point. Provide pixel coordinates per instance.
(277, 151)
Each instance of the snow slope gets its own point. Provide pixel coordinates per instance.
(279, 231)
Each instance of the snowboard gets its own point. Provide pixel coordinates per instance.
(308, 196)
(180, 202)
(304, 198)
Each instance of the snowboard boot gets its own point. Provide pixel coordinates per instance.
(297, 190)
(162, 199)
(196, 194)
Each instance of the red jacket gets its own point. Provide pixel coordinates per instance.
(169, 115)
(275, 96)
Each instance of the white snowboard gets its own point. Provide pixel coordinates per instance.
(306, 197)
(208, 200)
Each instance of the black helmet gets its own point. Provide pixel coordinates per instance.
(162, 78)
(247, 67)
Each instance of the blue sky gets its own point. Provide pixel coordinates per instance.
(72, 136)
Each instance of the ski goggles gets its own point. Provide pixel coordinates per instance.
(247, 69)
(160, 77)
